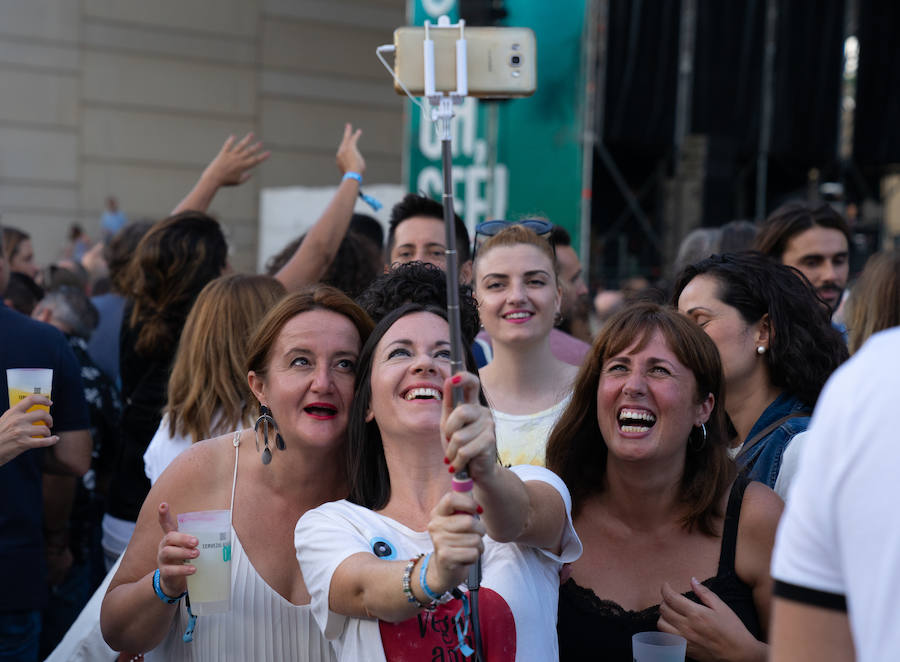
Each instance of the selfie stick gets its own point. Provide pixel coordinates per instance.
(442, 114)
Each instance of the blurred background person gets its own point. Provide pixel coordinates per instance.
(112, 220)
(104, 343)
(575, 301)
(69, 310)
(19, 252)
(874, 302)
(736, 236)
(208, 393)
(519, 300)
(22, 293)
(778, 349)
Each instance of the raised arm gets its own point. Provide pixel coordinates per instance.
(232, 166)
(531, 513)
(312, 259)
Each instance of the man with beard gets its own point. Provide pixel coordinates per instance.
(815, 239)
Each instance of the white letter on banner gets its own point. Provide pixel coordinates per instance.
(436, 8)
(430, 182)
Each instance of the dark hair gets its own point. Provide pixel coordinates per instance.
(367, 472)
(421, 283)
(804, 348)
(23, 292)
(174, 261)
(576, 450)
(72, 308)
(66, 273)
(351, 271)
(559, 236)
(119, 251)
(413, 204)
(791, 219)
(368, 227)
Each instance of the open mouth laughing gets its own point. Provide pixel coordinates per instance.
(635, 421)
(423, 393)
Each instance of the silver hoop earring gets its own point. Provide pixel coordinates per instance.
(704, 437)
(760, 350)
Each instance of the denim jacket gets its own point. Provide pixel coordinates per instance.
(762, 460)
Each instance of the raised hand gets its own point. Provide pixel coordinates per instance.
(174, 549)
(713, 631)
(348, 156)
(233, 164)
(18, 432)
(468, 430)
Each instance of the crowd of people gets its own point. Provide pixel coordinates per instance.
(588, 475)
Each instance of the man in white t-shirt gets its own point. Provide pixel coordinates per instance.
(836, 562)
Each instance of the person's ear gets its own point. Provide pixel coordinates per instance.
(764, 332)
(704, 410)
(257, 386)
(465, 273)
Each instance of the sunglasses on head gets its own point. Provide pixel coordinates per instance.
(488, 229)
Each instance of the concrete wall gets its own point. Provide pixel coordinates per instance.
(132, 98)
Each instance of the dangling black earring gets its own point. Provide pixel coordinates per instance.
(265, 419)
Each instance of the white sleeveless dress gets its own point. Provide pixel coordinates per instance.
(261, 625)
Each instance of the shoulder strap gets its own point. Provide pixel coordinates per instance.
(730, 527)
(750, 443)
(237, 449)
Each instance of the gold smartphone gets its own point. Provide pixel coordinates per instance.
(501, 62)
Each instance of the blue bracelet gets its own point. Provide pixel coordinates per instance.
(368, 199)
(159, 592)
(431, 594)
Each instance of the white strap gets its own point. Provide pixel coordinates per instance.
(237, 449)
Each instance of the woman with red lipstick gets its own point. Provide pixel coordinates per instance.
(519, 298)
(301, 368)
(386, 567)
(642, 448)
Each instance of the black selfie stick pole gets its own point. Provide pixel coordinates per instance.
(442, 115)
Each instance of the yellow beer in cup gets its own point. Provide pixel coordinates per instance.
(23, 382)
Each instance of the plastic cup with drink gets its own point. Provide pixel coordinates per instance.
(658, 647)
(23, 382)
(209, 588)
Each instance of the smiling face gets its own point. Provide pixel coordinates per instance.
(517, 292)
(647, 403)
(308, 383)
(735, 339)
(409, 366)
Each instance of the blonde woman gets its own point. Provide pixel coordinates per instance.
(519, 297)
(874, 304)
(208, 391)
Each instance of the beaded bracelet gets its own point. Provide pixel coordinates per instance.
(406, 582)
(157, 588)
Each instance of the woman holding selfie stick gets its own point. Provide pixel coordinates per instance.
(519, 298)
(302, 362)
(386, 567)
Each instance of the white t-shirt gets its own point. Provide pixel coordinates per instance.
(518, 596)
(840, 533)
(522, 438)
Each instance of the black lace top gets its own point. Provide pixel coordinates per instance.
(591, 628)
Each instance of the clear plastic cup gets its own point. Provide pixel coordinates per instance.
(658, 647)
(209, 588)
(23, 382)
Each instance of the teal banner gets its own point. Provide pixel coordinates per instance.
(513, 158)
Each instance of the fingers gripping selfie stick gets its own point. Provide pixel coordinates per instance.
(442, 115)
